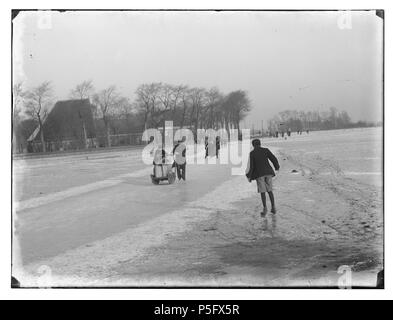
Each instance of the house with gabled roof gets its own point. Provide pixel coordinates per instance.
(68, 125)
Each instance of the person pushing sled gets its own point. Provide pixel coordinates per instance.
(259, 169)
(179, 154)
(164, 164)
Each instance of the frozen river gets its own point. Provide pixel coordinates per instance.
(101, 208)
(354, 153)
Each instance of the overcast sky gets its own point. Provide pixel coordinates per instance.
(284, 60)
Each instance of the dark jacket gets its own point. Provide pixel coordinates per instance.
(179, 147)
(259, 163)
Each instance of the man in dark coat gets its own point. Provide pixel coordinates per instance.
(259, 169)
(217, 146)
(179, 153)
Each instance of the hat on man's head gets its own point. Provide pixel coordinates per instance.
(256, 143)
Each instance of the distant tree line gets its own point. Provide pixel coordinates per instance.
(114, 114)
(314, 120)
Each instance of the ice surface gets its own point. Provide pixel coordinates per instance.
(93, 220)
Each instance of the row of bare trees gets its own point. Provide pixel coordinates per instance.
(313, 120)
(192, 107)
(154, 103)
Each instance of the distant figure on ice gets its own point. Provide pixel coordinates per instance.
(206, 146)
(159, 157)
(217, 146)
(211, 147)
(259, 169)
(179, 155)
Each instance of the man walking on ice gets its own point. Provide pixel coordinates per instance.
(179, 153)
(259, 169)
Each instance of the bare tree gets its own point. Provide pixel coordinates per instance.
(84, 90)
(106, 100)
(125, 107)
(18, 95)
(214, 101)
(126, 111)
(169, 97)
(37, 106)
(236, 106)
(165, 102)
(177, 93)
(198, 101)
(147, 97)
(185, 102)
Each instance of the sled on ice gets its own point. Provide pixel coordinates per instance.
(162, 168)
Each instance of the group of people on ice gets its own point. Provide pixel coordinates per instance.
(277, 133)
(258, 166)
(179, 155)
(161, 160)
